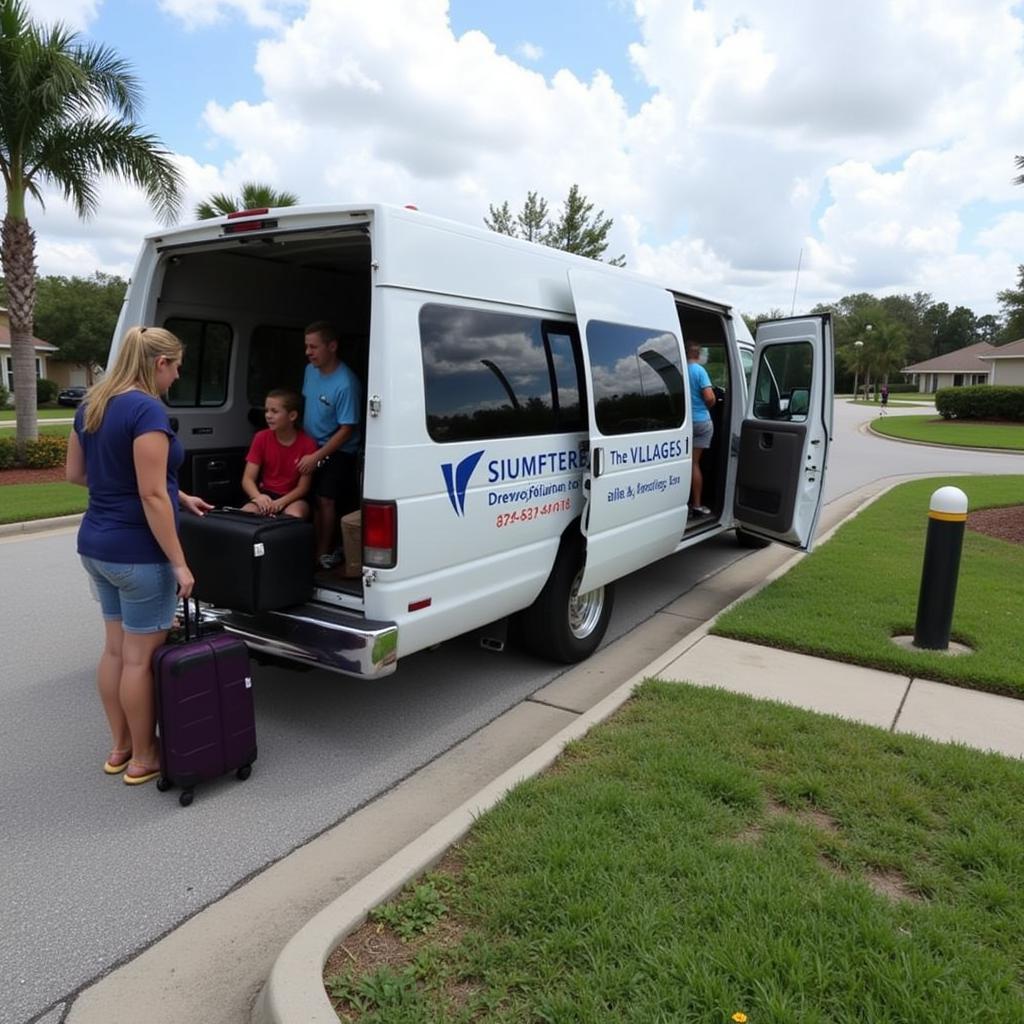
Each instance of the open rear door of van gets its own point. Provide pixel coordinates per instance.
(637, 397)
(786, 431)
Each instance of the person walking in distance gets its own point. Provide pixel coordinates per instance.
(702, 396)
(331, 417)
(124, 450)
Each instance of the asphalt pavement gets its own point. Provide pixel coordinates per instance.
(92, 882)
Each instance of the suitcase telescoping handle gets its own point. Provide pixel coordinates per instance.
(191, 630)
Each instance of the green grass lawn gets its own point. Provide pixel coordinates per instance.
(703, 854)
(21, 502)
(7, 415)
(970, 433)
(853, 593)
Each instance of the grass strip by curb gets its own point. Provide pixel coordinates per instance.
(22, 502)
(847, 599)
(703, 854)
(958, 433)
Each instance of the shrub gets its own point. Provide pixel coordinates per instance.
(902, 389)
(5, 397)
(8, 452)
(981, 402)
(46, 390)
(45, 452)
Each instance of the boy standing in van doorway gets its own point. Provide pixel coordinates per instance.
(702, 396)
(331, 417)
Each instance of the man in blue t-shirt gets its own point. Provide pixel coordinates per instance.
(702, 396)
(331, 417)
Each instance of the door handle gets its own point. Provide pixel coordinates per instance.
(596, 462)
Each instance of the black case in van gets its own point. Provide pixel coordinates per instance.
(249, 563)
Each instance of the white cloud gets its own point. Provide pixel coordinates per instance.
(76, 14)
(530, 52)
(877, 138)
(265, 14)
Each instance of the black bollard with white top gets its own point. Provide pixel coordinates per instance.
(947, 517)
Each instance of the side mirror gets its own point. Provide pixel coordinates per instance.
(799, 402)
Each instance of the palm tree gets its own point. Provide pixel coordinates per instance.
(67, 112)
(887, 349)
(1019, 161)
(255, 196)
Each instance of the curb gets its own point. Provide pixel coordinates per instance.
(294, 993)
(40, 525)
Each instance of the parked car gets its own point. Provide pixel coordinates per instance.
(71, 396)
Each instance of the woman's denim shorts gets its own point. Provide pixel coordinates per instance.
(143, 596)
(702, 433)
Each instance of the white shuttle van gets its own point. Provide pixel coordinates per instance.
(527, 418)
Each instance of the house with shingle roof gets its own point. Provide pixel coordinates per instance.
(956, 369)
(44, 354)
(1007, 364)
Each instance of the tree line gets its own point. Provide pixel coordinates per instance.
(876, 337)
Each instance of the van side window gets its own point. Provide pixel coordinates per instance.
(638, 378)
(490, 375)
(203, 380)
(277, 359)
(565, 371)
(782, 388)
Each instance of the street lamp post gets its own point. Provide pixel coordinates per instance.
(859, 345)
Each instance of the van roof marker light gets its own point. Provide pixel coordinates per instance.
(248, 213)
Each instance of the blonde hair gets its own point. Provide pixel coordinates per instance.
(134, 367)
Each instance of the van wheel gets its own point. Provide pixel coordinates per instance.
(745, 539)
(563, 624)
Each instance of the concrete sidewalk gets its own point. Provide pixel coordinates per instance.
(217, 964)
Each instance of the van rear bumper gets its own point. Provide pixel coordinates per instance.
(317, 635)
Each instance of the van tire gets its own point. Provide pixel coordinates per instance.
(746, 539)
(560, 625)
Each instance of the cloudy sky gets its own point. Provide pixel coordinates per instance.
(729, 139)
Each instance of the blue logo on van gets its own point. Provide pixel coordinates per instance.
(458, 483)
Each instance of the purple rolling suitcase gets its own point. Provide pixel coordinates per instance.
(205, 708)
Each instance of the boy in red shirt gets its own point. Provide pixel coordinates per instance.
(272, 479)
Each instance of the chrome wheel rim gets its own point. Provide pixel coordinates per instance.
(584, 609)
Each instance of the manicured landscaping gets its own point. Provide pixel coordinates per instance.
(855, 592)
(21, 502)
(704, 857)
(964, 433)
(7, 415)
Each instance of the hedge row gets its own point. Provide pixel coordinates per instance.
(44, 452)
(981, 402)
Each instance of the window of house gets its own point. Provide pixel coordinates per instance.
(638, 378)
(9, 360)
(203, 379)
(489, 375)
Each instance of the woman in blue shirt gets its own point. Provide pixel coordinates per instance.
(125, 452)
(702, 396)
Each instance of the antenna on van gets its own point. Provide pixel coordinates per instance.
(796, 283)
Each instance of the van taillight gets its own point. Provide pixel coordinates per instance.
(380, 534)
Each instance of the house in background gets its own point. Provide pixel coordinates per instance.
(956, 369)
(1007, 364)
(64, 374)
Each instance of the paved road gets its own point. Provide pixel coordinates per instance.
(92, 872)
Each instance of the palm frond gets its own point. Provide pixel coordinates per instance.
(76, 156)
(1019, 161)
(217, 205)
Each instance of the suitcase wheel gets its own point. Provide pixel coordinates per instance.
(244, 772)
(186, 798)
(163, 784)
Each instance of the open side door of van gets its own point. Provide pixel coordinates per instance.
(638, 477)
(786, 431)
